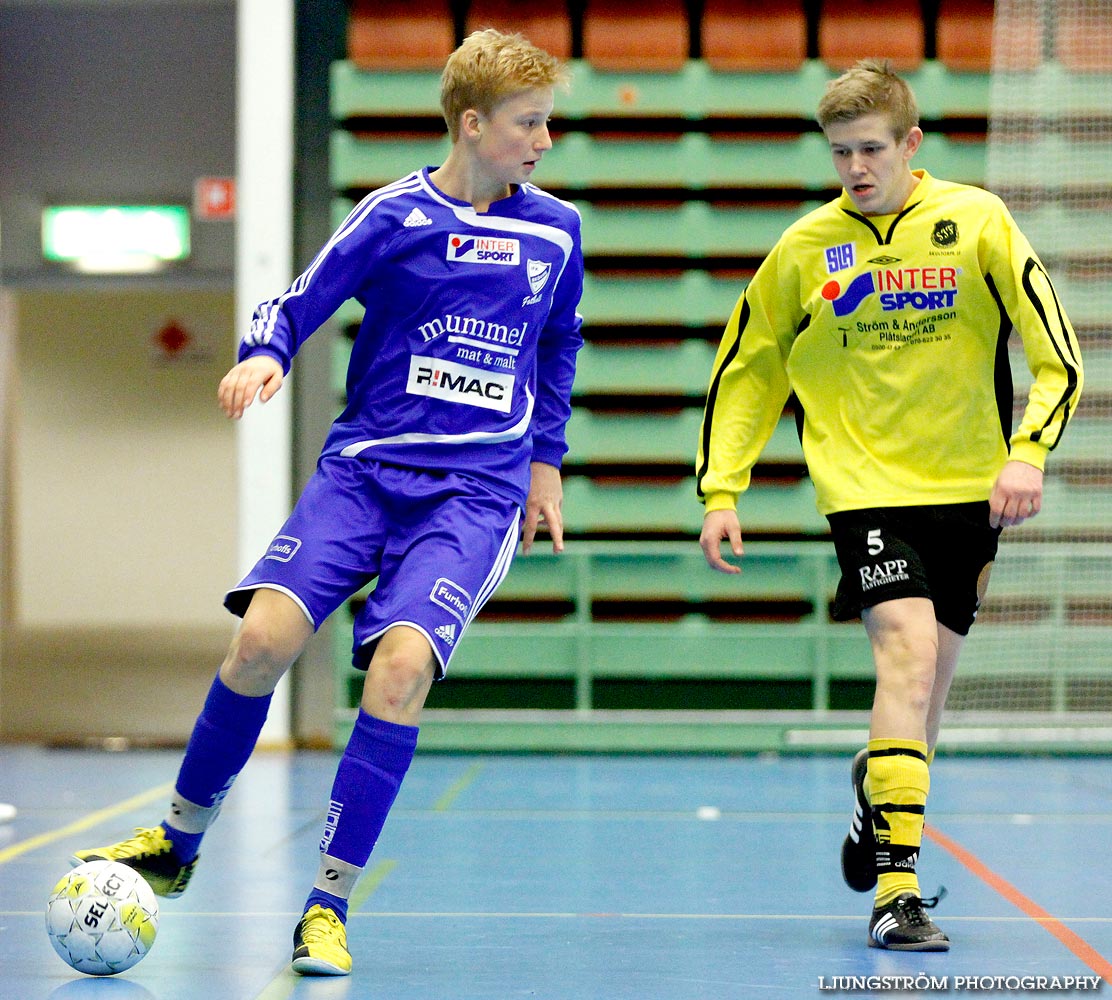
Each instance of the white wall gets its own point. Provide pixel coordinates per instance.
(123, 515)
(124, 476)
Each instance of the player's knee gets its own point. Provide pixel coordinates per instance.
(399, 675)
(261, 652)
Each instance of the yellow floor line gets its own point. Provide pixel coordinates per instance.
(444, 803)
(33, 843)
(370, 881)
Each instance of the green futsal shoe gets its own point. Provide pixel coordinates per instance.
(320, 944)
(151, 855)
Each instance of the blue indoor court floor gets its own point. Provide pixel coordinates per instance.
(575, 878)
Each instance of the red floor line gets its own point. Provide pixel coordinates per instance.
(1078, 945)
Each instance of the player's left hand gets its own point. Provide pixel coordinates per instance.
(1016, 496)
(546, 494)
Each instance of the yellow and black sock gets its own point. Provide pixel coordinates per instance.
(897, 784)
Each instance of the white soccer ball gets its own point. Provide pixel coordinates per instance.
(102, 917)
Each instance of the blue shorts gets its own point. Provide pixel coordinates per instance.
(438, 545)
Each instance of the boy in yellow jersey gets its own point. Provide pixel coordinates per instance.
(887, 313)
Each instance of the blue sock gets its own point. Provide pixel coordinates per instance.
(318, 897)
(223, 737)
(368, 777)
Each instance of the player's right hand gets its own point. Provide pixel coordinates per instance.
(260, 375)
(719, 525)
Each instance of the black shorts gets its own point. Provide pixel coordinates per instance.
(938, 552)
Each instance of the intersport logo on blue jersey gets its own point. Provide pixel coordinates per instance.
(484, 250)
(920, 288)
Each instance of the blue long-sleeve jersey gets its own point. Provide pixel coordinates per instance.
(465, 356)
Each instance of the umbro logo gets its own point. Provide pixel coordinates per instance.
(447, 633)
(416, 218)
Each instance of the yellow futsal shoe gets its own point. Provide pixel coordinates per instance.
(320, 944)
(151, 855)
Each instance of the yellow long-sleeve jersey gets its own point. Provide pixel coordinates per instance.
(892, 332)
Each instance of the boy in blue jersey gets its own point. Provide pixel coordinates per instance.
(447, 452)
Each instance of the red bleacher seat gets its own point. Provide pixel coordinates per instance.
(636, 35)
(963, 35)
(400, 34)
(754, 35)
(1019, 36)
(545, 25)
(1083, 36)
(858, 29)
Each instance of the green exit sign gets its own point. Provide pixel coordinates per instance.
(105, 239)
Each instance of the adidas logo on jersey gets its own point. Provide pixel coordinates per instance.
(447, 633)
(416, 218)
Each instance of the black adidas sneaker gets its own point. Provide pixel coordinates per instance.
(903, 926)
(859, 847)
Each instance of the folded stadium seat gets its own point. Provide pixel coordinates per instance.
(963, 35)
(400, 34)
(636, 35)
(1084, 29)
(764, 36)
(547, 26)
(1018, 34)
(858, 29)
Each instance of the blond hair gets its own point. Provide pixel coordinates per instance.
(869, 87)
(489, 67)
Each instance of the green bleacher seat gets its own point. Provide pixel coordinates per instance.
(371, 163)
(1088, 302)
(794, 571)
(1090, 230)
(692, 228)
(1071, 510)
(541, 574)
(692, 161)
(953, 159)
(1085, 94)
(770, 572)
(943, 92)
(354, 92)
(673, 368)
(669, 437)
(695, 92)
(694, 299)
(632, 507)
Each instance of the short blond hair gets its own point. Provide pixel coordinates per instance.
(869, 87)
(489, 67)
